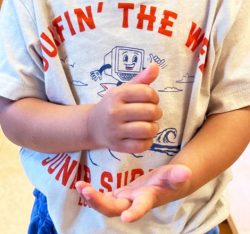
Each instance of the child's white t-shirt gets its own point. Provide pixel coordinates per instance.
(73, 52)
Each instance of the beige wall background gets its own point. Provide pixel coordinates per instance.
(16, 198)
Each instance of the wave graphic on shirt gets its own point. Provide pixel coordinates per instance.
(164, 143)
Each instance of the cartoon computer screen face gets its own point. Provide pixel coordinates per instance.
(126, 62)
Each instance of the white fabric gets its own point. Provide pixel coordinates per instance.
(98, 45)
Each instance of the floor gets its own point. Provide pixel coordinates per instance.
(225, 228)
(16, 192)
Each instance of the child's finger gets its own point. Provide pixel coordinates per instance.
(138, 93)
(140, 206)
(141, 112)
(147, 76)
(176, 174)
(80, 185)
(104, 203)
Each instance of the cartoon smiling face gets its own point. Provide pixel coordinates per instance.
(125, 63)
(130, 60)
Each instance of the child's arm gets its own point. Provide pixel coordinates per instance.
(44, 126)
(215, 147)
(124, 120)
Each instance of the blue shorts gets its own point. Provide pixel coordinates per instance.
(41, 223)
(215, 230)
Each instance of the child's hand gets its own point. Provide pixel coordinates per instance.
(131, 202)
(125, 119)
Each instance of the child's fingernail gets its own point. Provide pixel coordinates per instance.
(78, 187)
(86, 192)
(125, 216)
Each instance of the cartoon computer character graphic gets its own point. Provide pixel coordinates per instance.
(121, 63)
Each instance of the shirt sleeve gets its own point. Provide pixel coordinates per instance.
(230, 88)
(21, 68)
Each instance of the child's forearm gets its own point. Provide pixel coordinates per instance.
(216, 146)
(45, 126)
(124, 120)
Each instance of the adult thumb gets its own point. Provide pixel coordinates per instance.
(147, 76)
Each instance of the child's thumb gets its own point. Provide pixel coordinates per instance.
(147, 76)
(177, 174)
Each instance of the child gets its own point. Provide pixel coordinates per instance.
(128, 113)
